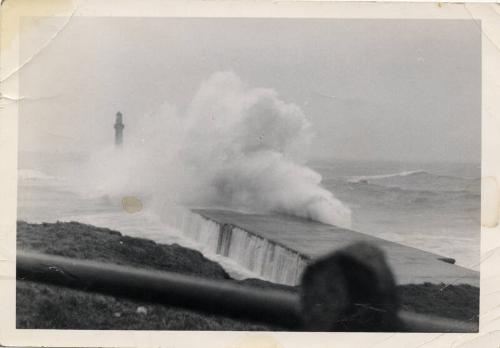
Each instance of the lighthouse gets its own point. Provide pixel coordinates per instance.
(119, 129)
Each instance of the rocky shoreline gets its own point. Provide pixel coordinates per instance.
(41, 306)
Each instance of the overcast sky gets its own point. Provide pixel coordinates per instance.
(373, 89)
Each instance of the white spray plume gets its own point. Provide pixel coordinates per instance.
(234, 147)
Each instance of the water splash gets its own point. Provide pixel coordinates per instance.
(234, 147)
(264, 258)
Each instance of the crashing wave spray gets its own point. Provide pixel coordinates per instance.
(234, 147)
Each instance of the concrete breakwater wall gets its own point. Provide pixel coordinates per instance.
(277, 248)
(263, 257)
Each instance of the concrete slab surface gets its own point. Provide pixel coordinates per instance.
(312, 239)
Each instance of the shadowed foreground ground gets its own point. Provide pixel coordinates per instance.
(42, 306)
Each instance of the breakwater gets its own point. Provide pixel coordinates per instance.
(265, 258)
(277, 247)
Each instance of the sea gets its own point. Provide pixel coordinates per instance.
(430, 206)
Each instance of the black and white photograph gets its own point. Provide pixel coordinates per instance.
(250, 174)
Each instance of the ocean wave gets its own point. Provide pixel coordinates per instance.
(375, 196)
(421, 180)
(400, 190)
(40, 179)
(355, 179)
(425, 195)
(33, 174)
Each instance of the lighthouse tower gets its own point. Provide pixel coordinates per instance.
(119, 129)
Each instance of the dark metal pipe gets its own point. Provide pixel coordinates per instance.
(179, 290)
(278, 307)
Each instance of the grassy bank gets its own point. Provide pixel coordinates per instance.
(47, 306)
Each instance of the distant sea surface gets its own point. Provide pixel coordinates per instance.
(435, 207)
(431, 206)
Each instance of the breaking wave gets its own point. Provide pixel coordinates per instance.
(32, 174)
(421, 181)
(33, 177)
(234, 146)
(385, 176)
